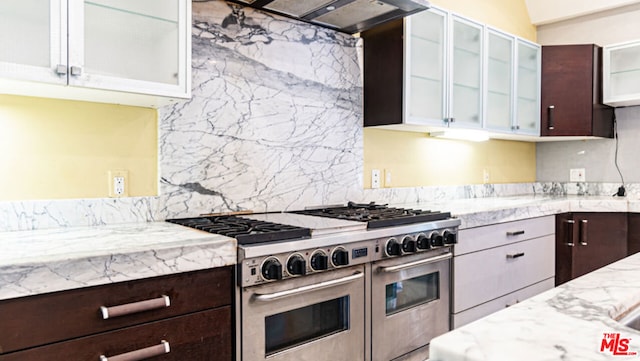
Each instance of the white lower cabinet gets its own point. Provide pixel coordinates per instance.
(499, 265)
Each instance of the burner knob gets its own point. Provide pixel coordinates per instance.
(423, 242)
(296, 265)
(319, 261)
(340, 257)
(436, 240)
(272, 269)
(393, 247)
(408, 245)
(450, 238)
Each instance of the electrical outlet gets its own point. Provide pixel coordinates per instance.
(375, 178)
(118, 183)
(577, 175)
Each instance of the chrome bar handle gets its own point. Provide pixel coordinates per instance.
(515, 233)
(144, 353)
(582, 235)
(550, 110)
(516, 255)
(61, 69)
(135, 307)
(570, 224)
(421, 262)
(304, 289)
(76, 70)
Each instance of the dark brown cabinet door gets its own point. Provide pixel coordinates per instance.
(633, 243)
(588, 241)
(571, 99)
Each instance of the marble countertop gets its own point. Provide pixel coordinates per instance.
(48, 260)
(567, 323)
(478, 212)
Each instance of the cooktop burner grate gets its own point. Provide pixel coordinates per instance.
(246, 231)
(377, 215)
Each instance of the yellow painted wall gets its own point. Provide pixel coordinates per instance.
(52, 148)
(414, 159)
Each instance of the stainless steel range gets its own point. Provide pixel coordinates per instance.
(359, 282)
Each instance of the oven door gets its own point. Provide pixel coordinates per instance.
(313, 318)
(410, 305)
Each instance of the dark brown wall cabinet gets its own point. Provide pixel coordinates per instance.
(588, 241)
(571, 99)
(69, 325)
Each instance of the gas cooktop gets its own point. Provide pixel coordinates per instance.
(377, 215)
(245, 230)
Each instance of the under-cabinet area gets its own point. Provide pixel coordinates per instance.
(499, 265)
(186, 316)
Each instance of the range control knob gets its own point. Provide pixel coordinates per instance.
(340, 257)
(319, 261)
(392, 247)
(423, 242)
(450, 238)
(408, 245)
(436, 240)
(272, 269)
(296, 265)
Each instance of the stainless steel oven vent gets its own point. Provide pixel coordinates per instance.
(348, 16)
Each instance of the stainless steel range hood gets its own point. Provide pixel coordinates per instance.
(348, 16)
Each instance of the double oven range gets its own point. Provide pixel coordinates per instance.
(359, 282)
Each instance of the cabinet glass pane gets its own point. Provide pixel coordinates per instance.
(528, 111)
(25, 32)
(466, 72)
(426, 66)
(625, 71)
(499, 81)
(115, 29)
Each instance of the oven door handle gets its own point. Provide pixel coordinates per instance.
(305, 289)
(421, 262)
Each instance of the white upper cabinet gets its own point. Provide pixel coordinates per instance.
(527, 120)
(621, 74)
(116, 51)
(443, 59)
(499, 81)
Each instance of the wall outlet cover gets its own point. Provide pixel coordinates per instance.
(577, 175)
(118, 181)
(375, 178)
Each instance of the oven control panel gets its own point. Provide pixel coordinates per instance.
(301, 263)
(288, 265)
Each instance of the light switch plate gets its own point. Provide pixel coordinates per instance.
(577, 175)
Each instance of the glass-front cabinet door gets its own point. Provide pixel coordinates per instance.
(33, 40)
(528, 88)
(128, 45)
(465, 106)
(425, 74)
(499, 81)
(621, 74)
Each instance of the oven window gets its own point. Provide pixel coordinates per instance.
(412, 292)
(295, 327)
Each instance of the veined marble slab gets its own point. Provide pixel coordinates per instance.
(566, 323)
(33, 262)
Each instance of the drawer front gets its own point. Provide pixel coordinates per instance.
(483, 276)
(37, 320)
(476, 239)
(198, 336)
(472, 314)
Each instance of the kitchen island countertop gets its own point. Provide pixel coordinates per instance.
(49, 260)
(567, 323)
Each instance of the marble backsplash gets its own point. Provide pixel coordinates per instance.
(274, 124)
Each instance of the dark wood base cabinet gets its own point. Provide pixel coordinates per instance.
(190, 314)
(588, 241)
(634, 233)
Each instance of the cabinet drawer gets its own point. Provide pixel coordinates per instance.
(37, 320)
(198, 336)
(500, 303)
(483, 276)
(476, 239)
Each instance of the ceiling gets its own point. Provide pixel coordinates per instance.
(550, 11)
